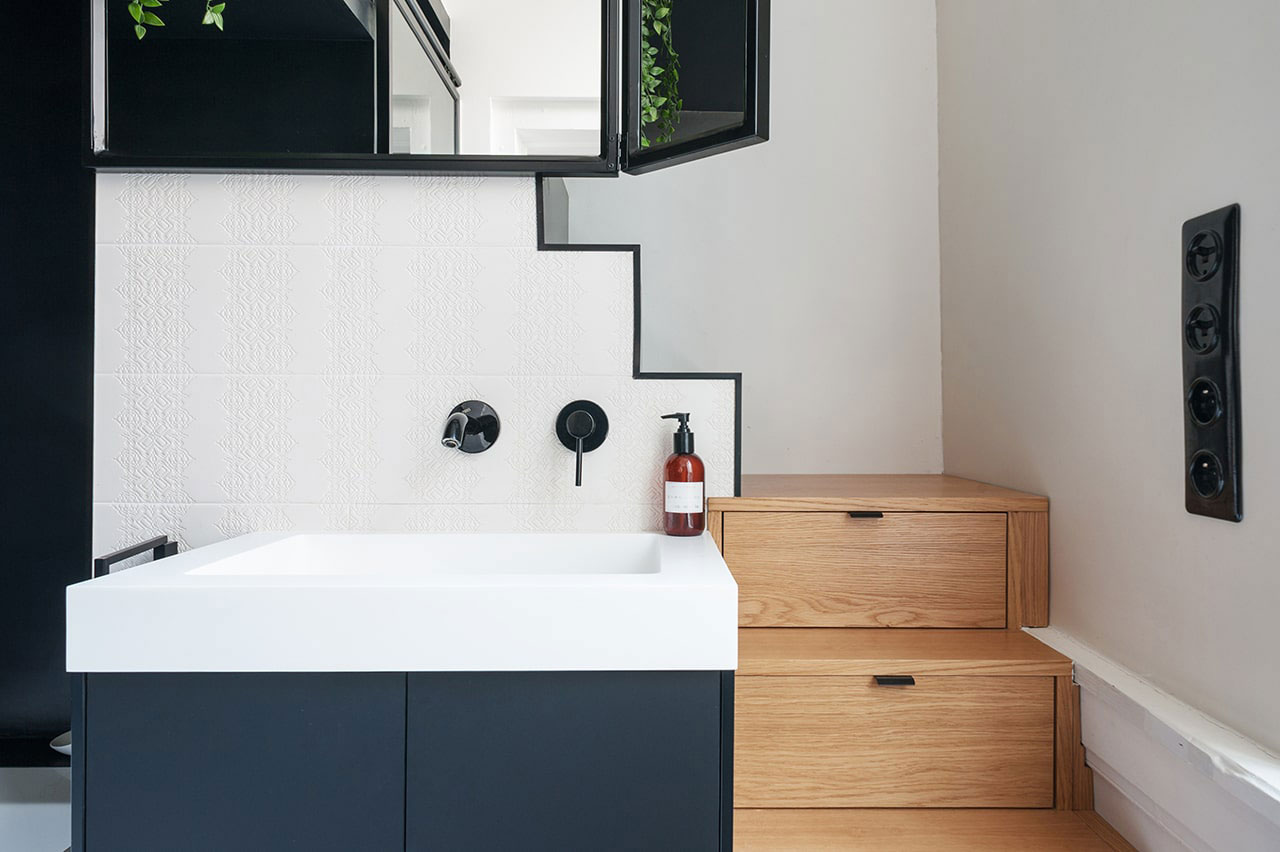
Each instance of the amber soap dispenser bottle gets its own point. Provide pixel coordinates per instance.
(683, 478)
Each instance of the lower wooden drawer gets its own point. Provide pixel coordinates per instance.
(946, 742)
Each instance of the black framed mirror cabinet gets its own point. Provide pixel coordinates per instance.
(558, 87)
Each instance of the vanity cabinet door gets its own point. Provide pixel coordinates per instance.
(246, 762)
(565, 761)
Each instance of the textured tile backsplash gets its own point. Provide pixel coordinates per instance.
(278, 352)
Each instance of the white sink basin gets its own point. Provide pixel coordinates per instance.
(392, 602)
(388, 555)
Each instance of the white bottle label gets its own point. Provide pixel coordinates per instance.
(684, 498)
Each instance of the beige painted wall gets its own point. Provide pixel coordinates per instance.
(809, 263)
(1075, 139)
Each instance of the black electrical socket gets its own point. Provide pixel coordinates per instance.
(1211, 363)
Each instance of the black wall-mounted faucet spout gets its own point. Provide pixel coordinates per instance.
(473, 427)
(582, 427)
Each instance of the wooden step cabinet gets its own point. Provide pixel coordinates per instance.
(959, 710)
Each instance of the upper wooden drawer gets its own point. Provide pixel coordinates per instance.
(826, 569)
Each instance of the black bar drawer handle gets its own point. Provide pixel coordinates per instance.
(894, 680)
(866, 514)
(160, 547)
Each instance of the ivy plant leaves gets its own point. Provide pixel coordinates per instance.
(143, 18)
(213, 13)
(660, 102)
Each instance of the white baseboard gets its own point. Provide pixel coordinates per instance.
(1169, 778)
(1127, 816)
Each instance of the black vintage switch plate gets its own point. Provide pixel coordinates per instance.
(1211, 363)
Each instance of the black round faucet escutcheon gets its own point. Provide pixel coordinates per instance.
(582, 427)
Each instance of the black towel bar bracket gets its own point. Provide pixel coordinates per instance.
(160, 547)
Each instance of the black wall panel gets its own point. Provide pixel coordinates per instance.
(46, 369)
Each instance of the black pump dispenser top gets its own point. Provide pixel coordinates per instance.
(683, 438)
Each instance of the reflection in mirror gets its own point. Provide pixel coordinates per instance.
(424, 98)
(531, 75)
(332, 77)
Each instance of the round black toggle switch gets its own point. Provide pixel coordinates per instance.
(1204, 255)
(1206, 475)
(1202, 329)
(1204, 401)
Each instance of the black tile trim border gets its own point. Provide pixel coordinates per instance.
(636, 372)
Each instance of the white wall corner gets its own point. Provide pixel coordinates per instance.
(1167, 776)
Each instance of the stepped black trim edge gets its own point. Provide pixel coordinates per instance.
(636, 372)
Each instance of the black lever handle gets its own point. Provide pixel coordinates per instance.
(160, 547)
(894, 680)
(580, 426)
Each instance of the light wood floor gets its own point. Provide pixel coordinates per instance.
(923, 831)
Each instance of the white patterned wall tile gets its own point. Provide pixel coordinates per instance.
(243, 518)
(718, 424)
(548, 518)
(546, 328)
(153, 420)
(642, 517)
(350, 424)
(259, 209)
(351, 419)
(436, 519)
(445, 211)
(442, 318)
(524, 206)
(436, 475)
(639, 406)
(456, 211)
(144, 209)
(429, 475)
(108, 437)
(205, 432)
(257, 441)
(149, 329)
(305, 423)
(119, 525)
(352, 203)
(620, 333)
(537, 463)
(352, 328)
(283, 354)
(258, 311)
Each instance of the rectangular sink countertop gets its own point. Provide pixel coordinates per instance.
(413, 602)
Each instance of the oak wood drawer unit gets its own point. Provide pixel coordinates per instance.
(944, 742)
(850, 569)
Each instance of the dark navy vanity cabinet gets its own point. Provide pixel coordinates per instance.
(392, 761)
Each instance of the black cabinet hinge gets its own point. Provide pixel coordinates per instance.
(618, 151)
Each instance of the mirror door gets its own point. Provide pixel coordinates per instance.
(328, 85)
(696, 79)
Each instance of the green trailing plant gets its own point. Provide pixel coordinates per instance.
(143, 16)
(660, 102)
